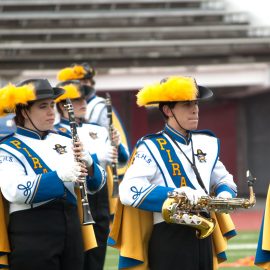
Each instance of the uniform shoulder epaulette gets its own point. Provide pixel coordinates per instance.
(205, 132)
(153, 135)
(149, 136)
(6, 137)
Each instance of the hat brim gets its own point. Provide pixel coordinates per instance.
(86, 90)
(204, 93)
(50, 94)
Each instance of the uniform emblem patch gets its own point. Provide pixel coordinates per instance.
(93, 135)
(60, 149)
(63, 129)
(201, 155)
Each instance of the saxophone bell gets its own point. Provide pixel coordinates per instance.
(177, 209)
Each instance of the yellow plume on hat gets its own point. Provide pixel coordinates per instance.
(71, 73)
(71, 91)
(175, 88)
(10, 96)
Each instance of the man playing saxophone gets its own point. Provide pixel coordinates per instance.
(178, 158)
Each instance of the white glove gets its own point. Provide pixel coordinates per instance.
(224, 195)
(69, 173)
(86, 157)
(107, 156)
(192, 194)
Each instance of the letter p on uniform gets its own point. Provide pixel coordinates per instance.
(161, 143)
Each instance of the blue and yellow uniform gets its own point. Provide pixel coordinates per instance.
(93, 132)
(40, 198)
(177, 158)
(262, 258)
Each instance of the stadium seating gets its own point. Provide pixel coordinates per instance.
(120, 33)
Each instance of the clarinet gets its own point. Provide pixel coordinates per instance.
(87, 216)
(115, 192)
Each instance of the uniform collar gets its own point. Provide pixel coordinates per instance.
(65, 121)
(177, 136)
(30, 133)
(91, 98)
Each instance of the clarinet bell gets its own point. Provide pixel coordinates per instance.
(87, 216)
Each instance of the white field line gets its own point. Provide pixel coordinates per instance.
(242, 246)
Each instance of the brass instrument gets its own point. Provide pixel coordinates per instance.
(177, 209)
(115, 191)
(87, 216)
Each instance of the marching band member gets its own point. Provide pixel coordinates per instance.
(39, 172)
(177, 158)
(96, 107)
(95, 139)
(262, 258)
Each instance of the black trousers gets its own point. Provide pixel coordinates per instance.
(174, 246)
(46, 238)
(94, 259)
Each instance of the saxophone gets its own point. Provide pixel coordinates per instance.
(177, 209)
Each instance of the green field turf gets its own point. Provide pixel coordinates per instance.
(240, 247)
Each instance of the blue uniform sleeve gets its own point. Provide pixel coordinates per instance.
(225, 187)
(154, 200)
(48, 186)
(123, 154)
(97, 180)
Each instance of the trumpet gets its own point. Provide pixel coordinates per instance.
(115, 190)
(87, 216)
(177, 209)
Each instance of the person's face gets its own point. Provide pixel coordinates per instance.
(186, 113)
(79, 106)
(42, 115)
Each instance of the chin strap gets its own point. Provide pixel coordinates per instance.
(33, 123)
(178, 121)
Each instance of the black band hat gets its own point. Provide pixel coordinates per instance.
(25, 92)
(172, 89)
(76, 72)
(74, 89)
(43, 88)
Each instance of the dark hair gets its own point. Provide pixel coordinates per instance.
(19, 118)
(169, 104)
(59, 109)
